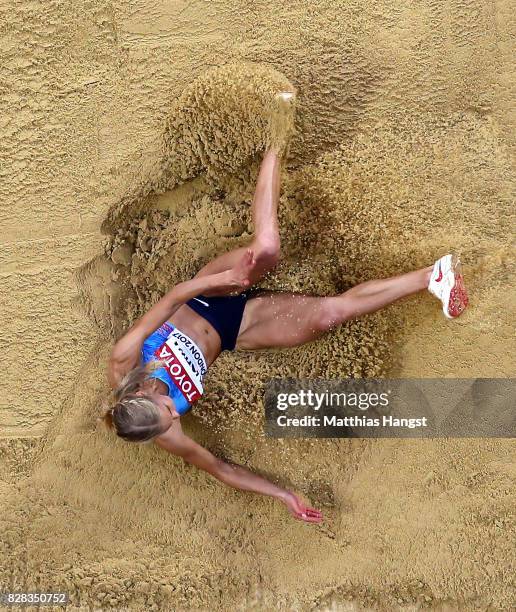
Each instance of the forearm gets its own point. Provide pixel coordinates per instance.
(176, 297)
(241, 478)
(233, 475)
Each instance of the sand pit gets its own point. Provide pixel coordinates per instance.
(152, 130)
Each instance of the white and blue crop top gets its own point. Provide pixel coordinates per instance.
(183, 368)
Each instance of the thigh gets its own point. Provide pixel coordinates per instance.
(280, 319)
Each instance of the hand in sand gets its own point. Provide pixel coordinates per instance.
(300, 511)
(238, 276)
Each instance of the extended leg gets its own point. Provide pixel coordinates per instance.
(266, 242)
(287, 319)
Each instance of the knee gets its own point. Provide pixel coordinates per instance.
(332, 312)
(267, 252)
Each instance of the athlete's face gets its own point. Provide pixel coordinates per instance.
(167, 409)
(168, 412)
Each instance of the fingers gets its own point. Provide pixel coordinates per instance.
(309, 515)
(249, 258)
(313, 512)
(308, 518)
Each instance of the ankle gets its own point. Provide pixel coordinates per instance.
(426, 273)
(274, 151)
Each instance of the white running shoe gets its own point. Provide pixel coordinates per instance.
(447, 284)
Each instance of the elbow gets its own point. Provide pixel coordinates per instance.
(113, 379)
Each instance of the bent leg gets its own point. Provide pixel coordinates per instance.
(288, 319)
(266, 242)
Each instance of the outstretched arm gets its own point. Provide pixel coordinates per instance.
(126, 352)
(234, 475)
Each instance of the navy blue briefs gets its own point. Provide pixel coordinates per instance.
(224, 313)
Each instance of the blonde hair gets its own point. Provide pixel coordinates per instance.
(135, 418)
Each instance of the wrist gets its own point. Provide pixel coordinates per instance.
(283, 495)
(223, 278)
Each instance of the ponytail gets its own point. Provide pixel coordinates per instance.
(135, 418)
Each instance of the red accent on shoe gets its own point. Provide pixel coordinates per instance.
(458, 297)
(439, 278)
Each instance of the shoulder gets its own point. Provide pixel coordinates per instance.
(174, 440)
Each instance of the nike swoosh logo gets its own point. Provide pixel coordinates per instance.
(202, 302)
(439, 278)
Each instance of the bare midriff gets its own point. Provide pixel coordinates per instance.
(199, 330)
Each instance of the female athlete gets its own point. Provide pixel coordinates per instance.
(156, 369)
